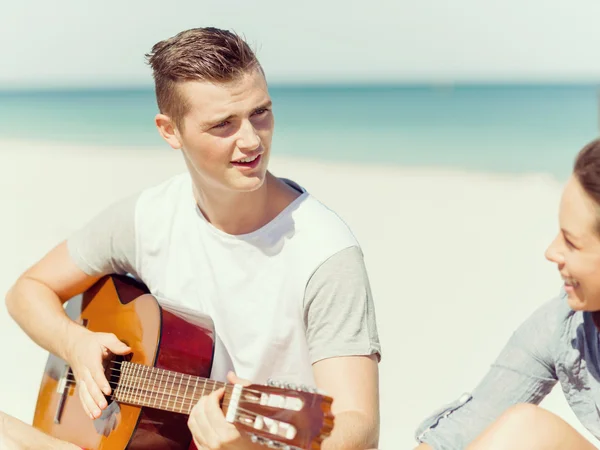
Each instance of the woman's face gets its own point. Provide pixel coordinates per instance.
(576, 248)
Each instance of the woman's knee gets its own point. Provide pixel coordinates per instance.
(526, 426)
(526, 416)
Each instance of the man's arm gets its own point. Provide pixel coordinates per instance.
(36, 299)
(344, 348)
(105, 245)
(17, 435)
(353, 382)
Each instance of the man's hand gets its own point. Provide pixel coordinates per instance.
(86, 353)
(209, 428)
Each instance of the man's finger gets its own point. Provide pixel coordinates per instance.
(200, 427)
(113, 344)
(88, 402)
(234, 379)
(216, 418)
(97, 375)
(95, 392)
(83, 398)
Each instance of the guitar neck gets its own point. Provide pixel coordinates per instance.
(162, 389)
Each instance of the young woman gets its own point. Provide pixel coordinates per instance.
(560, 342)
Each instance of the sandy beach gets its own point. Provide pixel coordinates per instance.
(456, 260)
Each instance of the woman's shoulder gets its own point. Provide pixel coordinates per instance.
(549, 325)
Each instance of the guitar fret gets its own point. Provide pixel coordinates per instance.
(193, 397)
(170, 390)
(185, 396)
(135, 382)
(145, 390)
(178, 389)
(140, 382)
(125, 378)
(162, 399)
(154, 373)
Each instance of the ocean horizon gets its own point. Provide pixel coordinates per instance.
(498, 128)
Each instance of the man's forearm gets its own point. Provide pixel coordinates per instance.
(353, 431)
(39, 312)
(16, 435)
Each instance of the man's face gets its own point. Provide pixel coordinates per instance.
(227, 132)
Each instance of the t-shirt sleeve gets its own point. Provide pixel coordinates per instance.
(339, 313)
(106, 244)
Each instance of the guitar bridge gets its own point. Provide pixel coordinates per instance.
(62, 389)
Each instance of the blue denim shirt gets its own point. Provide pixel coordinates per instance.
(555, 344)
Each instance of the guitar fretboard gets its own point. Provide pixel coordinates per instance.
(162, 389)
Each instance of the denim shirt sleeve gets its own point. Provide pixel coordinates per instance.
(523, 373)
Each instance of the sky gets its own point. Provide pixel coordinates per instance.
(66, 43)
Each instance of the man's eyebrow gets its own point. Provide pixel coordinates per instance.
(267, 104)
(219, 120)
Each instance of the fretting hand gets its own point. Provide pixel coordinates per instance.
(207, 422)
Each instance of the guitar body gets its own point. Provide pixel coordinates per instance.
(159, 337)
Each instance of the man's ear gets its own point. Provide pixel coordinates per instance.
(168, 131)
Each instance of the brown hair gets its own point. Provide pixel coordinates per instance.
(198, 54)
(587, 170)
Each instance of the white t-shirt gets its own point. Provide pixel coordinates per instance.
(281, 298)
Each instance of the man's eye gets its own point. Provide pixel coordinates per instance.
(221, 125)
(260, 111)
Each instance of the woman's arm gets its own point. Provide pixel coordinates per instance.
(522, 373)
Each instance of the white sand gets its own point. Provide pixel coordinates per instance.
(455, 260)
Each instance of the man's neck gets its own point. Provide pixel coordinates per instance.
(244, 212)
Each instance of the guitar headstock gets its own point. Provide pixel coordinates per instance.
(281, 415)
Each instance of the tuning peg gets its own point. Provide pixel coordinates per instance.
(291, 386)
(275, 383)
(257, 439)
(304, 387)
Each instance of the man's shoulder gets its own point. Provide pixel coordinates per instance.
(317, 221)
(165, 195)
(173, 186)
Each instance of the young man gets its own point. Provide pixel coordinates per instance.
(281, 275)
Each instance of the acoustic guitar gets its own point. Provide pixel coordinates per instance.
(155, 387)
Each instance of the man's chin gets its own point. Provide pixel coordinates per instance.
(249, 184)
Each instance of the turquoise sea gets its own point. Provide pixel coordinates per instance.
(492, 128)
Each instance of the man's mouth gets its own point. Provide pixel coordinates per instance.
(248, 162)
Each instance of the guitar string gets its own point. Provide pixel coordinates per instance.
(186, 401)
(176, 377)
(167, 386)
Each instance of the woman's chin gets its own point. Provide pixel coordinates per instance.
(575, 303)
